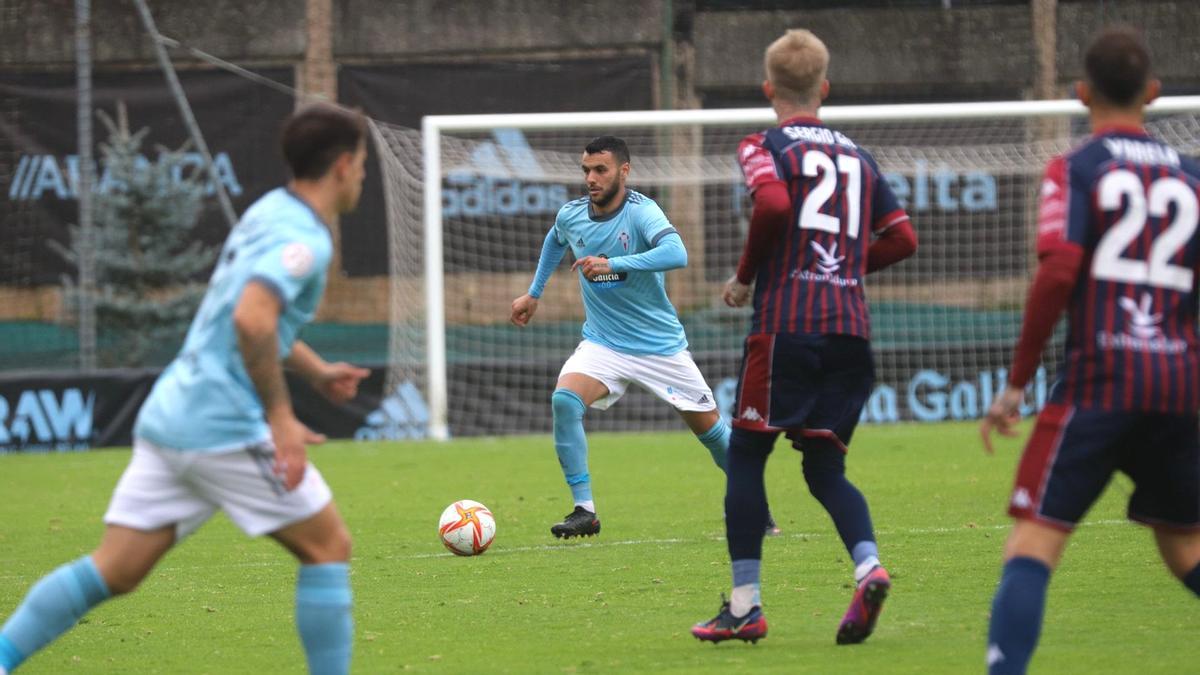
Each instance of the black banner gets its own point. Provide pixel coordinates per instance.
(403, 94)
(61, 412)
(39, 165)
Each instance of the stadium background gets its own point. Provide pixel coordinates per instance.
(400, 61)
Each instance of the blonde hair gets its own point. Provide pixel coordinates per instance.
(796, 65)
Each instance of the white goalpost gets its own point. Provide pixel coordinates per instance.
(470, 198)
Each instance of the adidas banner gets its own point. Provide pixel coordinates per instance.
(404, 93)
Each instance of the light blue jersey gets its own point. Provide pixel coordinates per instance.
(627, 311)
(204, 400)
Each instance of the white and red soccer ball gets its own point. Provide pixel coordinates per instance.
(467, 527)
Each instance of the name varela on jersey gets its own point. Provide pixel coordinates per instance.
(1132, 204)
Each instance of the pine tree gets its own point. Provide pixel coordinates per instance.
(149, 265)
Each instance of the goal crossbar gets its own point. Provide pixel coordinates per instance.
(434, 126)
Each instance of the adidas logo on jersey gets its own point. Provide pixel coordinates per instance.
(579, 242)
(1021, 499)
(751, 414)
(703, 398)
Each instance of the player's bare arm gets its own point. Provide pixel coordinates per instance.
(523, 309)
(1048, 297)
(337, 381)
(255, 319)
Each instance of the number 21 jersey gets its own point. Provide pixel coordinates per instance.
(812, 282)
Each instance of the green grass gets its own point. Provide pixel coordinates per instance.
(222, 603)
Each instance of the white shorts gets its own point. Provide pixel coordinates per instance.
(674, 379)
(163, 487)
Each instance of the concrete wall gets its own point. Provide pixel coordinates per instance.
(41, 32)
(881, 53)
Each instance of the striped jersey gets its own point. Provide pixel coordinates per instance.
(813, 281)
(1132, 204)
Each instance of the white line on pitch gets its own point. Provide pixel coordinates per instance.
(632, 542)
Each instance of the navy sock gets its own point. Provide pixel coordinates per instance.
(1192, 580)
(1017, 615)
(825, 471)
(746, 493)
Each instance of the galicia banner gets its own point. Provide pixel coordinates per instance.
(39, 164)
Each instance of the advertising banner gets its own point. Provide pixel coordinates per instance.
(39, 163)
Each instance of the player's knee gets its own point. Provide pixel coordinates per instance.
(122, 580)
(336, 547)
(566, 405)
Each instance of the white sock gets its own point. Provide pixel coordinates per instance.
(588, 504)
(744, 598)
(865, 568)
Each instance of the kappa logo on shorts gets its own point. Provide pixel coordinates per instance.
(751, 414)
(1021, 499)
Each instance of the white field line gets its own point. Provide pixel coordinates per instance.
(568, 547)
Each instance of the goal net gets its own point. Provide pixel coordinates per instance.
(944, 322)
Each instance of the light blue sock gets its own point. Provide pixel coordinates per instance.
(747, 589)
(51, 608)
(570, 442)
(716, 440)
(323, 617)
(864, 551)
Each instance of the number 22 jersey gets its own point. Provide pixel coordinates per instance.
(1130, 203)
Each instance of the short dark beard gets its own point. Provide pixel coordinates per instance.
(606, 197)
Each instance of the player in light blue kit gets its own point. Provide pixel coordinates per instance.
(218, 430)
(623, 243)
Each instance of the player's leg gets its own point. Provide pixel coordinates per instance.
(714, 433)
(1180, 552)
(1165, 468)
(323, 598)
(1031, 554)
(141, 517)
(591, 377)
(56, 602)
(842, 376)
(750, 446)
(711, 430)
(741, 617)
(1067, 462)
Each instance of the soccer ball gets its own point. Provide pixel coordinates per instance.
(467, 527)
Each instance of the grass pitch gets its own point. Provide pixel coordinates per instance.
(620, 602)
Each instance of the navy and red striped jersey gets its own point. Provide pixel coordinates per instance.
(812, 280)
(1131, 205)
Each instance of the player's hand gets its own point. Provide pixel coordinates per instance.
(291, 439)
(592, 266)
(523, 309)
(1002, 416)
(338, 382)
(736, 294)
